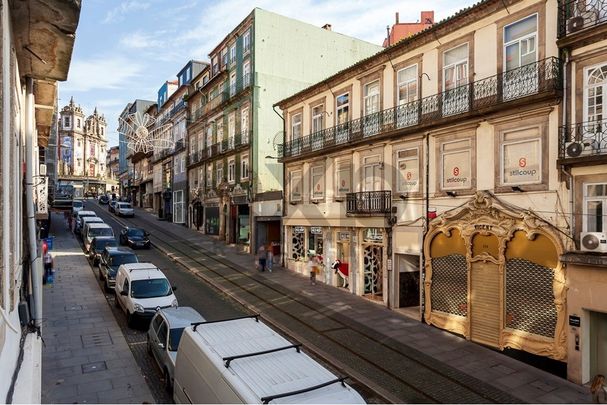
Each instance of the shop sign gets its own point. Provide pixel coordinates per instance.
(522, 162)
(316, 230)
(374, 234)
(42, 199)
(299, 229)
(574, 320)
(456, 170)
(343, 236)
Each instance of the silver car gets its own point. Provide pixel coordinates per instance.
(124, 209)
(164, 335)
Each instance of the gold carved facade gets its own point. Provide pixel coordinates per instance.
(488, 233)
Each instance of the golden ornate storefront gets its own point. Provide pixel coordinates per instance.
(493, 275)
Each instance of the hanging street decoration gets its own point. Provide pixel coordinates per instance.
(143, 134)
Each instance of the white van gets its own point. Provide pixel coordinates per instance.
(242, 360)
(88, 220)
(94, 230)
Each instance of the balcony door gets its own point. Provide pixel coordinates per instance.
(520, 56)
(594, 132)
(371, 115)
(342, 103)
(372, 174)
(455, 80)
(407, 110)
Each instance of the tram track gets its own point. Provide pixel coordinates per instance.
(407, 376)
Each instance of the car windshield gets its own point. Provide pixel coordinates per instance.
(155, 287)
(100, 244)
(125, 205)
(174, 338)
(135, 232)
(100, 232)
(77, 204)
(126, 258)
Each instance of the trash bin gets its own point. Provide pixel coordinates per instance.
(49, 242)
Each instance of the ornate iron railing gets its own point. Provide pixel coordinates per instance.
(542, 77)
(583, 139)
(216, 101)
(577, 15)
(369, 203)
(240, 85)
(178, 107)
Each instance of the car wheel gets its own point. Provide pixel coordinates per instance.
(149, 346)
(167, 381)
(100, 275)
(130, 320)
(116, 303)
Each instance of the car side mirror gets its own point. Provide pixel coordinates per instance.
(125, 293)
(174, 288)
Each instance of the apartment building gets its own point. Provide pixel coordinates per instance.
(428, 170)
(233, 131)
(583, 164)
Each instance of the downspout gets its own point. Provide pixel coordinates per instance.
(6, 154)
(282, 227)
(567, 173)
(36, 271)
(425, 224)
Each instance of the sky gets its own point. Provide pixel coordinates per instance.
(126, 49)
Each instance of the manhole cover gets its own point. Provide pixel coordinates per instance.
(96, 339)
(92, 367)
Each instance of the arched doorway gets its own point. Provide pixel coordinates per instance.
(493, 275)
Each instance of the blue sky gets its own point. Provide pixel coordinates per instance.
(126, 49)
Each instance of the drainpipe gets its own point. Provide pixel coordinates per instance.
(6, 155)
(425, 224)
(567, 173)
(282, 227)
(36, 271)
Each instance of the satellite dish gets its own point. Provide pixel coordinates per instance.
(143, 136)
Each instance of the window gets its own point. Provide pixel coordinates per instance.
(343, 178)
(232, 83)
(215, 64)
(231, 130)
(78, 123)
(317, 118)
(182, 164)
(407, 170)
(220, 130)
(520, 39)
(595, 207)
(209, 176)
(244, 167)
(219, 177)
(178, 207)
(244, 122)
(224, 57)
(456, 164)
(66, 122)
(371, 98)
(246, 41)
(233, 54)
(407, 85)
(246, 74)
(231, 171)
(296, 186)
(342, 112)
(372, 176)
(317, 182)
(455, 67)
(521, 157)
(79, 143)
(296, 126)
(595, 101)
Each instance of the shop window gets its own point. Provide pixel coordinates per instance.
(521, 157)
(449, 288)
(595, 207)
(296, 186)
(315, 240)
(456, 164)
(407, 169)
(297, 244)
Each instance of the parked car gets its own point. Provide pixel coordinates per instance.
(79, 215)
(77, 205)
(124, 209)
(98, 244)
(88, 220)
(94, 230)
(111, 207)
(134, 238)
(141, 290)
(164, 335)
(103, 199)
(111, 259)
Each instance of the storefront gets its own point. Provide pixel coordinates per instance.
(211, 218)
(373, 258)
(493, 275)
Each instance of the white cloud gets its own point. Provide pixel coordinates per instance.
(101, 73)
(140, 40)
(118, 14)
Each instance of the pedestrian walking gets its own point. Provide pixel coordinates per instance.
(597, 388)
(48, 266)
(270, 258)
(261, 258)
(312, 268)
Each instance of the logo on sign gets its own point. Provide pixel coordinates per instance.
(522, 162)
(408, 175)
(456, 171)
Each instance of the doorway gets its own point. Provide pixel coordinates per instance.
(343, 273)
(373, 271)
(408, 280)
(598, 343)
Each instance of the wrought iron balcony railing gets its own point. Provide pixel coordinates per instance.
(179, 145)
(578, 15)
(583, 139)
(216, 101)
(240, 85)
(539, 78)
(178, 107)
(369, 203)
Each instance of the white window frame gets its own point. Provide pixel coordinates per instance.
(318, 112)
(296, 124)
(345, 106)
(246, 41)
(406, 83)
(232, 83)
(231, 170)
(342, 166)
(233, 54)
(246, 73)
(528, 38)
(404, 160)
(469, 149)
(530, 139)
(587, 199)
(244, 167)
(372, 95)
(209, 176)
(465, 61)
(219, 172)
(317, 177)
(587, 87)
(295, 177)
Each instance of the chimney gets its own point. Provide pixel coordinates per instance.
(427, 17)
(397, 17)
(327, 27)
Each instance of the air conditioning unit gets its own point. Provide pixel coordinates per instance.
(576, 149)
(585, 18)
(593, 242)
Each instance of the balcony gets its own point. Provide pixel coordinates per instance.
(240, 85)
(177, 108)
(539, 80)
(215, 101)
(583, 143)
(369, 203)
(580, 15)
(179, 145)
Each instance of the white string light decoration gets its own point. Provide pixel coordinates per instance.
(140, 138)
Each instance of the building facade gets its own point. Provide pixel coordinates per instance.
(235, 178)
(387, 170)
(583, 164)
(82, 150)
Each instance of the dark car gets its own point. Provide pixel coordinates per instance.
(98, 244)
(111, 207)
(135, 238)
(111, 259)
(104, 199)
